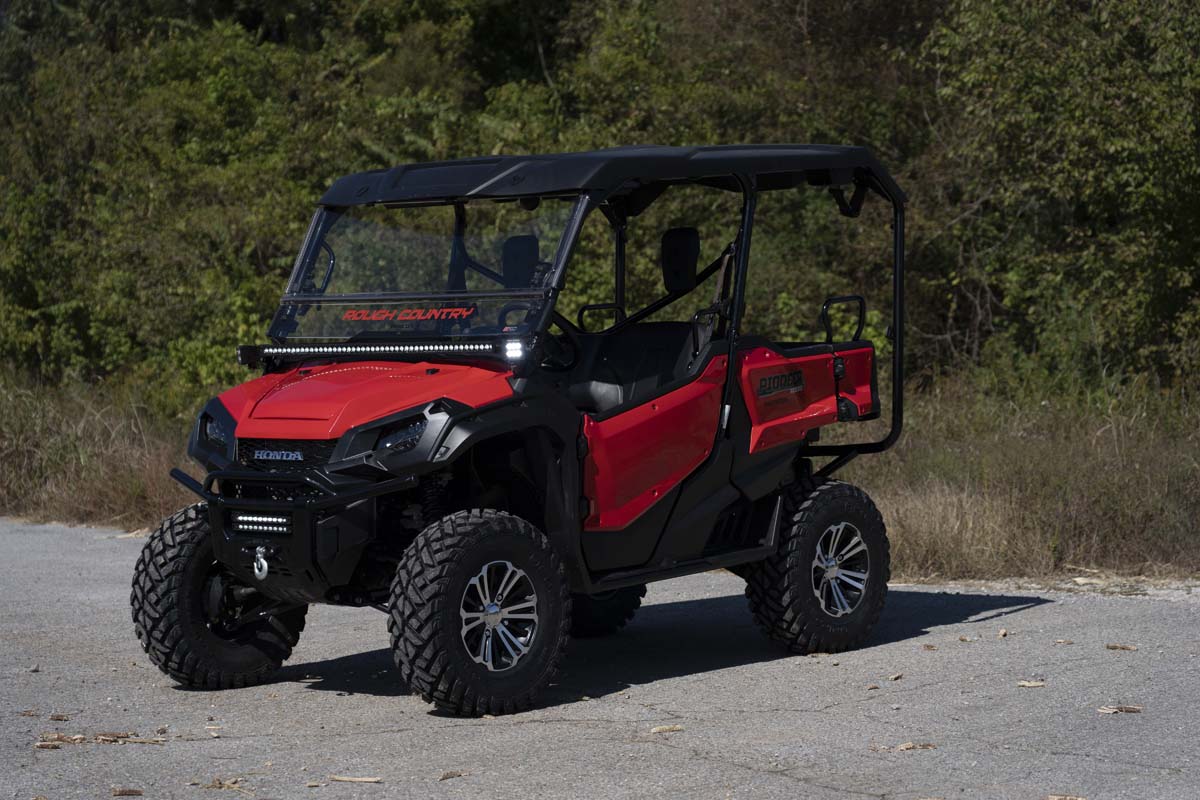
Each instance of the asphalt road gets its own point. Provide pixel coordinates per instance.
(754, 722)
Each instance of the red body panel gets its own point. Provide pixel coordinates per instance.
(637, 457)
(781, 409)
(856, 384)
(323, 402)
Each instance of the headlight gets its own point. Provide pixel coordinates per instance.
(403, 438)
(212, 440)
(214, 432)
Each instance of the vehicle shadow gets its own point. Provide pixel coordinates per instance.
(688, 637)
(669, 640)
(371, 673)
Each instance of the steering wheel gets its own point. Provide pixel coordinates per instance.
(561, 354)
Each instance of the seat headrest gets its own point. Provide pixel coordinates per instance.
(518, 257)
(680, 255)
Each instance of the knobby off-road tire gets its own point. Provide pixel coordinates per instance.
(788, 592)
(436, 597)
(170, 581)
(605, 613)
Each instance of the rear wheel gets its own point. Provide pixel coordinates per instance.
(604, 613)
(824, 588)
(196, 621)
(479, 613)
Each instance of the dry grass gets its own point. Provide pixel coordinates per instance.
(73, 455)
(982, 485)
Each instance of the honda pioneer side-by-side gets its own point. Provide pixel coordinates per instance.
(441, 432)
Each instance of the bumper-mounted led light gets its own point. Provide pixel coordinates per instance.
(255, 523)
(262, 528)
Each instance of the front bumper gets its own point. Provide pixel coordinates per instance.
(310, 543)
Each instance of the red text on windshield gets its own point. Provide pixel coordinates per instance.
(406, 314)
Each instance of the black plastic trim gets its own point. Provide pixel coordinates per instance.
(201, 450)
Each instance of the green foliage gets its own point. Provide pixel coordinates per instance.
(1074, 135)
(161, 160)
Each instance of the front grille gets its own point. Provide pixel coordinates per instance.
(284, 455)
(284, 491)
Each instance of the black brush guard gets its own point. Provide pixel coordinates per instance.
(296, 550)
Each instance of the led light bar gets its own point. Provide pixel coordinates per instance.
(345, 349)
(260, 523)
(242, 526)
(273, 520)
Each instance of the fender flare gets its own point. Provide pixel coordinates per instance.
(551, 428)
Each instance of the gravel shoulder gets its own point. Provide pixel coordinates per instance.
(943, 669)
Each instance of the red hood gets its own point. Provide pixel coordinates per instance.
(323, 402)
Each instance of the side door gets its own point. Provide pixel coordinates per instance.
(672, 372)
(637, 457)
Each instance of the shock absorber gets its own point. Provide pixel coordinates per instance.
(433, 492)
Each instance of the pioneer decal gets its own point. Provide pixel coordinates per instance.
(406, 314)
(784, 382)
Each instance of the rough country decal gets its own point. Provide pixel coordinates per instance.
(406, 314)
(278, 455)
(786, 382)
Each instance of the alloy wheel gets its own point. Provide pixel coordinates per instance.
(840, 569)
(499, 616)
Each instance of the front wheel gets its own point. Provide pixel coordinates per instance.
(196, 621)
(824, 588)
(480, 612)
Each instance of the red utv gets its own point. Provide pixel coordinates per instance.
(433, 437)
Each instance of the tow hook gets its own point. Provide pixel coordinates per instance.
(260, 563)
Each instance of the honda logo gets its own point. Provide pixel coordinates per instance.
(278, 455)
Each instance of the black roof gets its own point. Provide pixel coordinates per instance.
(775, 165)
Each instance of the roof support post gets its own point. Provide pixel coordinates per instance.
(620, 236)
(741, 263)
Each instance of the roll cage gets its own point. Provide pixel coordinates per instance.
(849, 174)
(621, 183)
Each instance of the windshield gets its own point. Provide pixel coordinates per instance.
(451, 270)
